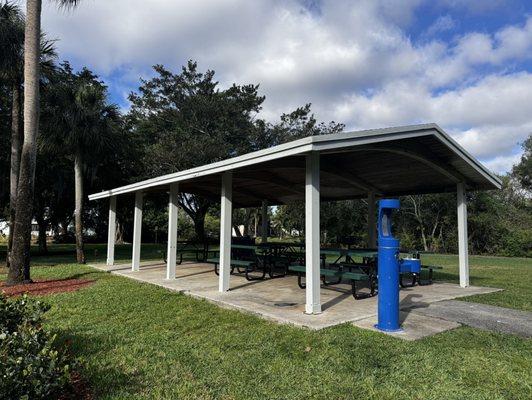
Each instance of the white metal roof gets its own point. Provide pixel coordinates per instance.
(456, 158)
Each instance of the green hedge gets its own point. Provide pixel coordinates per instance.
(31, 366)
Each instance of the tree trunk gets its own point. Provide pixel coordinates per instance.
(43, 247)
(63, 226)
(16, 142)
(78, 211)
(247, 217)
(199, 224)
(119, 238)
(19, 270)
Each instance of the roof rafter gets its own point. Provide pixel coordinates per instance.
(351, 178)
(279, 181)
(429, 160)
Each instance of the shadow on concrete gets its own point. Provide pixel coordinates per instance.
(406, 305)
(195, 273)
(151, 266)
(336, 300)
(248, 283)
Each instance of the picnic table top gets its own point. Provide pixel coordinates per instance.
(349, 252)
(324, 251)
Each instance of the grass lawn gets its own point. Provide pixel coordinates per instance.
(141, 341)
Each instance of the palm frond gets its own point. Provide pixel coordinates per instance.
(11, 39)
(67, 4)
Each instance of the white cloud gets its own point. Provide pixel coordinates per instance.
(503, 164)
(442, 24)
(352, 60)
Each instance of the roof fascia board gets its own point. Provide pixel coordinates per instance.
(359, 141)
(281, 151)
(300, 146)
(374, 132)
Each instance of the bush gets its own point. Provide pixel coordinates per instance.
(31, 366)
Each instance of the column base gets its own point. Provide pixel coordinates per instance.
(388, 329)
(313, 309)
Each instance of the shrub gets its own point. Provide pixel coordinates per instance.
(31, 367)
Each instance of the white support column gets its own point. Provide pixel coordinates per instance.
(171, 250)
(372, 229)
(225, 231)
(137, 230)
(463, 255)
(312, 233)
(264, 221)
(111, 231)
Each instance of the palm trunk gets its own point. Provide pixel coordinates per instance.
(43, 247)
(16, 141)
(119, 233)
(19, 269)
(78, 212)
(247, 217)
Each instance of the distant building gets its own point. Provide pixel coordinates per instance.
(4, 228)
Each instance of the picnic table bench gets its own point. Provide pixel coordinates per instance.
(200, 250)
(352, 277)
(348, 255)
(371, 269)
(430, 269)
(267, 256)
(247, 265)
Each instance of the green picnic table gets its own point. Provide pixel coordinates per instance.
(340, 275)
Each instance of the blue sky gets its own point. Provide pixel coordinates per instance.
(466, 65)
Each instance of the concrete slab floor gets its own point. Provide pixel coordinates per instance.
(414, 326)
(280, 299)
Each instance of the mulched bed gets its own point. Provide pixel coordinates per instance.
(45, 287)
(80, 389)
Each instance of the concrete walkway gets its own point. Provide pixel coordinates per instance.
(481, 316)
(282, 301)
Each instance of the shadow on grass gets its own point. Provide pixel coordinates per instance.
(103, 377)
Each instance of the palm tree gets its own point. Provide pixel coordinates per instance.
(19, 269)
(79, 122)
(11, 70)
(11, 50)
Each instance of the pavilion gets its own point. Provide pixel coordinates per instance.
(370, 164)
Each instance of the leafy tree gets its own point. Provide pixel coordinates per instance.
(428, 217)
(339, 219)
(289, 219)
(186, 120)
(523, 170)
(293, 125)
